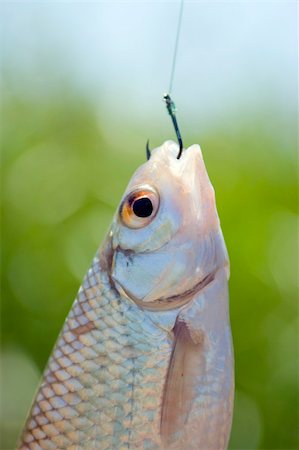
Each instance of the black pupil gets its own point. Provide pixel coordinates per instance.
(143, 207)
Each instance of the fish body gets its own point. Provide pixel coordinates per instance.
(145, 359)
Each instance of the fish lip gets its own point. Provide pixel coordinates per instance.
(171, 302)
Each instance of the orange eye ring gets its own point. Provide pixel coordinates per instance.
(139, 207)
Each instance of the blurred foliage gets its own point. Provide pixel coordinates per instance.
(62, 180)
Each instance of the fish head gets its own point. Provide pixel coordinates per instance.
(165, 235)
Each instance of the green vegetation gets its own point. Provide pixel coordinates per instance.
(62, 181)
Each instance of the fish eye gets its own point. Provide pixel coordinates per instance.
(142, 207)
(139, 207)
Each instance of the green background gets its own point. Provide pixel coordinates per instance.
(63, 176)
(62, 183)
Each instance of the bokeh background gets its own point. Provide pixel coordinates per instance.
(82, 86)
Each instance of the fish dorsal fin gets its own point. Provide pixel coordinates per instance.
(180, 382)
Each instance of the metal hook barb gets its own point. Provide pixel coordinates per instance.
(171, 110)
(147, 150)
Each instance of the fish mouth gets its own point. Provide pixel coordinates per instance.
(167, 303)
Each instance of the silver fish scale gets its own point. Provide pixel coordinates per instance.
(103, 385)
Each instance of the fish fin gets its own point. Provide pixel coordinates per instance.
(180, 382)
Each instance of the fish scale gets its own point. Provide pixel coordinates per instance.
(71, 396)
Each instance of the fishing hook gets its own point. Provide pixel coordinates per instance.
(171, 111)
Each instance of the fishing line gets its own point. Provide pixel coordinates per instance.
(177, 39)
(168, 100)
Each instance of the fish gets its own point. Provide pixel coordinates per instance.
(145, 357)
